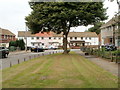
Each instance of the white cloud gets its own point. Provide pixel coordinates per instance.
(112, 8)
(12, 14)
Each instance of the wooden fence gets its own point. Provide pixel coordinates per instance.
(103, 54)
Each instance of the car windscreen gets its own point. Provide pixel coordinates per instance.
(2, 47)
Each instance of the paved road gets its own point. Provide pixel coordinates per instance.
(15, 58)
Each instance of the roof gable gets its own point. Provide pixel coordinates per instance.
(6, 32)
(112, 21)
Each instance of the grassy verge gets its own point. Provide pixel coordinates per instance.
(58, 71)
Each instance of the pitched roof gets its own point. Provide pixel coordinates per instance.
(78, 34)
(25, 33)
(51, 34)
(82, 34)
(110, 22)
(44, 34)
(6, 32)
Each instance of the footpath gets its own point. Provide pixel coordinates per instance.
(105, 64)
(18, 52)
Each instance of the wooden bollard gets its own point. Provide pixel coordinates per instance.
(116, 58)
(10, 64)
(111, 57)
(53, 52)
(24, 59)
(29, 57)
(18, 61)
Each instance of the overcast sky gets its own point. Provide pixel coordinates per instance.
(13, 12)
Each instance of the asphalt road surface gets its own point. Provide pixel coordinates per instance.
(21, 57)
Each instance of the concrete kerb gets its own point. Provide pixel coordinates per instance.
(30, 57)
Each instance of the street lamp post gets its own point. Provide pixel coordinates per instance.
(25, 37)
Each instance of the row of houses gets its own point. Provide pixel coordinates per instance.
(75, 39)
(109, 35)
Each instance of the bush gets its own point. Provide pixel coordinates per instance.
(12, 48)
(18, 43)
(117, 52)
(13, 43)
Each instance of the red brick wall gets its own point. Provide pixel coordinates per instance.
(7, 40)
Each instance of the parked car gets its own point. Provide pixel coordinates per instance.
(110, 47)
(4, 52)
(37, 49)
(52, 47)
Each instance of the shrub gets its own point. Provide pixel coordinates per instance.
(117, 52)
(12, 48)
(18, 43)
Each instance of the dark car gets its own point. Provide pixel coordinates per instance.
(110, 47)
(4, 52)
(37, 49)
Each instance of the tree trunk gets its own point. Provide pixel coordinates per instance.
(65, 42)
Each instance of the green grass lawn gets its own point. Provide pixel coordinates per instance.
(58, 71)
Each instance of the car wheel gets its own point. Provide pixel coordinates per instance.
(5, 56)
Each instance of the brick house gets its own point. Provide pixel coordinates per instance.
(5, 37)
(109, 32)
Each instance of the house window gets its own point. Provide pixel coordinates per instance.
(49, 37)
(33, 44)
(6, 36)
(90, 38)
(32, 37)
(75, 37)
(59, 38)
(86, 38)
(11, 37)
(42, 43)
(42, 37)
(81, 38)
(37, 37)
(70, 37)
(54, 37)
(59, 44)
(110, 40)
(25, 37)
(3, 36)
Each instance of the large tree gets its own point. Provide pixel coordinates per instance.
(96, 27)
(60, 16)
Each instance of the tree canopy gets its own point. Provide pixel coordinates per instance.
(60, 16)
(96, 27)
